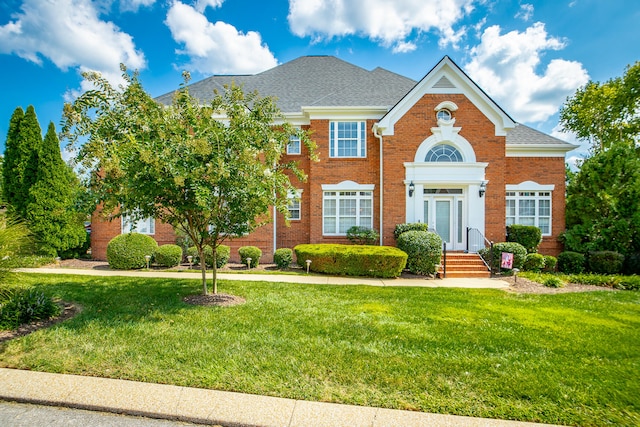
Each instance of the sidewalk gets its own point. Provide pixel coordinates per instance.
(284, 278)
(211, 406)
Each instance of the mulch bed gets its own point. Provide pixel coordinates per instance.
(69, 310)
(219, 300)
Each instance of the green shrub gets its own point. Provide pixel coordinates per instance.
(533, 262)
(552, 282)
(20, 306)
(518, 251)
(632, 264)
(252, 252)
(283, 258)
(570, 262)
(359, 235)
(412, 226)
(528, 236)
(630, 283)
(593, 279)
(550, 263)
(223, 253)
(127, 251)
(168, 255)
(605, 262)
(424, 250)
(352, 260)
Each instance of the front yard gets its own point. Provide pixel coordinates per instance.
(571, 358)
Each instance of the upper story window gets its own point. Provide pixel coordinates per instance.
(443, 114)
(443, 153)
(294, 146)
(347, 139)
(142, 226)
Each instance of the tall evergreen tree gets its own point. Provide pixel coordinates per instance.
(15, 157)
(51, 213)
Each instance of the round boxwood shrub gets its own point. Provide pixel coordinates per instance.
(283, 258)
(605, 262)
(411, 226)
(127, 251)
(222, 255)
(533, 262)
(550, 263)
(168, 255)
(252, 252)
(359, 235)
(528, 236)
(571, 262)
(424, 250)
(632, 264)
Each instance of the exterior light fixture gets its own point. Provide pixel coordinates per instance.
(483, 188)
(190, 261)
(308, 265)
(248, 263)
(412, 188)
(148, 258)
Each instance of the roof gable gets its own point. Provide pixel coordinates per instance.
(447, 78)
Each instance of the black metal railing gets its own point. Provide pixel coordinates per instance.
(475, 242)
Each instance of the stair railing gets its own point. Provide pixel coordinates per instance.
(476, 241)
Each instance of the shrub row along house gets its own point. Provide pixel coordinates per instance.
(393, 150)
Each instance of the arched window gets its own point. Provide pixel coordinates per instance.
(443, 153)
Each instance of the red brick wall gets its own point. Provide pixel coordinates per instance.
(544, 171)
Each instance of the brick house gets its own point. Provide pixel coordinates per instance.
(393, 150)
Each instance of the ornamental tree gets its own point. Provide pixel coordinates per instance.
(212, 171)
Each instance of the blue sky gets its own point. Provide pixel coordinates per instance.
(528, 55)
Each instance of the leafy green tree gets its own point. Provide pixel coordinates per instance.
(211, 171)
(603, 212)
(51, 214)
(606, 113)
(15, 159)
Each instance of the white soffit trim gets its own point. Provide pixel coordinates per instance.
(538, 150)
(341, 113)
(530, 186)
(348, 186)
(455, 82)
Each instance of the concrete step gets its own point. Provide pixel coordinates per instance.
(460, 265)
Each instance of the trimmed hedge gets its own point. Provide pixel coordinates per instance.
(424, 250)
(127, 251)
(605, 262)
(550, 263)
(283, 258)
(411, 226)
(533, 262)
(352, 260)
(223, 253)
(519, 254)
(252, 252)
(168, 255)
(359, 235)
(528, 236)
(571, 262)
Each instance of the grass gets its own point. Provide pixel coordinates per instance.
(569, 359)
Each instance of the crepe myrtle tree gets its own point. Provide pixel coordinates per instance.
(212, 171)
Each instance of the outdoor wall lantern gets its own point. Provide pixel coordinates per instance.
(412, 188)
(148, 258)
(483, 189)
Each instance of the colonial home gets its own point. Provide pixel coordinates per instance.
(393, 150)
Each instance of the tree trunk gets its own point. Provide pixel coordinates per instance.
(215, 270)
(203, 269)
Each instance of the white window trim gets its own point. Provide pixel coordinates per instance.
(346, 186)
(296, 197)
(536, 189)
(126, 227)
(294, 138)
(362, 139)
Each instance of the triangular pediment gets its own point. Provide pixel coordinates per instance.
(447, 78)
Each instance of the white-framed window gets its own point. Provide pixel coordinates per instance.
(142, 226)
(345, 205)
(443, 153)
(294, 146)
(530, 208)
(294, 206)
(347, 139)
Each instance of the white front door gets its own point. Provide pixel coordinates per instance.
(444, 213)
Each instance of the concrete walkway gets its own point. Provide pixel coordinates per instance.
(219, 407)
(284, 278)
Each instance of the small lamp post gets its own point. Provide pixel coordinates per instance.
(308, 264)
(148, 258)
(515, 275)
(190, 261)
(248, 263)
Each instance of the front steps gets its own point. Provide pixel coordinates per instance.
(460, 264)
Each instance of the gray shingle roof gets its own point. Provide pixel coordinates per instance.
(524, 135)
(313, 81)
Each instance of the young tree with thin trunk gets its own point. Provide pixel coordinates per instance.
(211, 171)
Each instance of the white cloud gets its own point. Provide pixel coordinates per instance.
(404, 47)
(201, 5)
(526, 12)
(70, 34)
(507, 67)
(217, 48)
(134, 5)
(389, 23)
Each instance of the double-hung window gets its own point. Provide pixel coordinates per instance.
(294, 146)
(347, 139)
(294, 205)
(142, 226)
(342, 209)
(530, 208)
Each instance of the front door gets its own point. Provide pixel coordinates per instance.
(444, 213)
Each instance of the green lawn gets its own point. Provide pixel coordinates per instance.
(567, 359)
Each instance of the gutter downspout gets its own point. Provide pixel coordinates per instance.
(377, 135)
